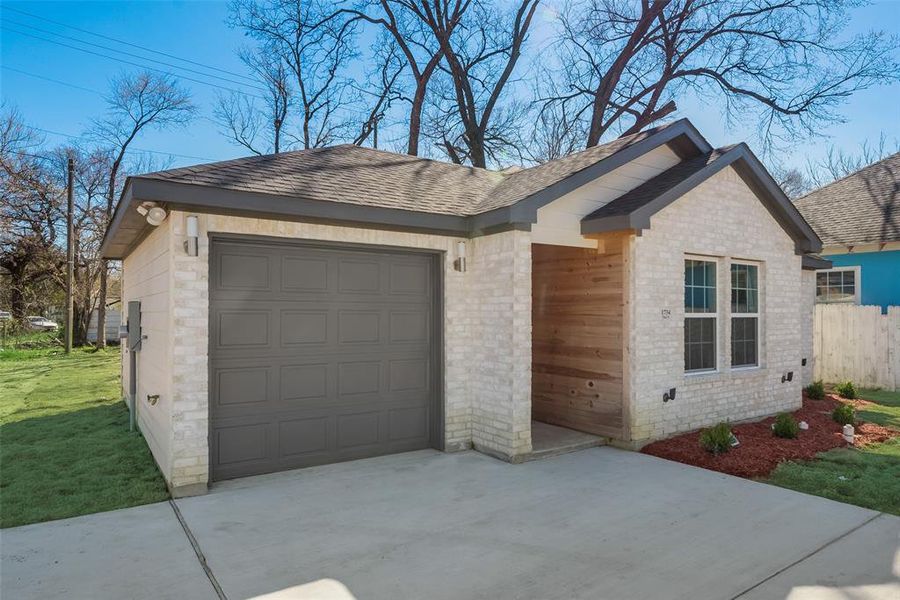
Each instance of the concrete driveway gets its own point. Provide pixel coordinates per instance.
(600, 523)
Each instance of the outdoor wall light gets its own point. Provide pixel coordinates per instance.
(155, 214)
(192, 226)
(670, 395)
(789, 376)
(460, 263)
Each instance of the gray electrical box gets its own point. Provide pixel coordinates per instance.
(134, 325)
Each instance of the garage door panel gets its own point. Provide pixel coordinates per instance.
(304, 274)
(359, 276)
(242, 443)
(408, 374)
(303, 327)
(359, 377)
(409, 279)
(358, 326)
(358, 429)
(241, 271)
(304, 436)
(302, 382)
(327, 357)
(241, 386)
(409, 325)
(243, 328)
(408, 423)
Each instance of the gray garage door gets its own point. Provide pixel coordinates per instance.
(318, 355)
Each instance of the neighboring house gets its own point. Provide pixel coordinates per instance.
(113, 320)
(346, 302)
(858, 220)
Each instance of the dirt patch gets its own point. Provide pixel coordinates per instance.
(760, 451)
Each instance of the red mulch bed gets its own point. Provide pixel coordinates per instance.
(760, 451)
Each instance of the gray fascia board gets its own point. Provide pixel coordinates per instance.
(525, 210)
(208, 197)
(772, 197)
(118, 217)
(814, 263)
(809, 241)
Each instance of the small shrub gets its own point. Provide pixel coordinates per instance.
(846, 390)
(786, 426)
(844, 414)
(816, 390)
(716, 439)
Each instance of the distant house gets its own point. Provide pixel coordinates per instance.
(858, 220)
(113, 320)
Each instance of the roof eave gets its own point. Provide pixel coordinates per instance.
(681, 136)
(754, 174)
(208, 199)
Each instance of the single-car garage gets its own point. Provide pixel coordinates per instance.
(319, 353)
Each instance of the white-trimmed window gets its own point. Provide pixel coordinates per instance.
(840, 284)
(744, 315)
(700, 316)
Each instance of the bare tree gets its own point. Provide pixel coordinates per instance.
(390, 66)
(30, 216)
(239, 114)
(480, 48)
(313, 47)
(136, 102)
(401, 21)
(783, 63)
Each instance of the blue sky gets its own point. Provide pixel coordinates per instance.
(197, 31)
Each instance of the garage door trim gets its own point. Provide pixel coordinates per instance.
(436, 351)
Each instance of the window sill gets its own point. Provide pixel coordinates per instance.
(702, 373)
(744, 368)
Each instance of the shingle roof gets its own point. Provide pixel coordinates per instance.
(364, 176)
(657, 186)
(863, 207)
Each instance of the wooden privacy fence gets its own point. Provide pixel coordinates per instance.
(857, 343)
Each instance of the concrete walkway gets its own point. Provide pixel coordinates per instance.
(600, 523)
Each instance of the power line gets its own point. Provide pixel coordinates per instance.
(36, 76)
(75, 137)
(128, 62)
(133, 45)
(102, 47)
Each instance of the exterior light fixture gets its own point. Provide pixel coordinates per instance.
(155, 214)
(670, 395)
(789, 376)
(192, 225)
(460, 263)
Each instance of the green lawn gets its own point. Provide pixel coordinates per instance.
(65, 448)
(868, 477)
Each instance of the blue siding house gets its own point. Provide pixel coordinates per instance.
(858, 220)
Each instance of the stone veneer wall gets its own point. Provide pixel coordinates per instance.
(720, 218)
(487, 337)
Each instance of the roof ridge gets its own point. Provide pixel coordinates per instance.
(847, 176)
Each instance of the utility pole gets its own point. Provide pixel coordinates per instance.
(70, 253)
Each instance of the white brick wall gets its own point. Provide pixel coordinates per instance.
(808, 313)
(145, 277)
(487, 336)
(720, 218)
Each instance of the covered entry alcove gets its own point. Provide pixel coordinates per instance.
(579, 320)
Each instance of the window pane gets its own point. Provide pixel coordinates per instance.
(744, 288)
(744, 341)
(710, 279)
(849, 278)
(821, 279)
(699, 344)
(700, 289)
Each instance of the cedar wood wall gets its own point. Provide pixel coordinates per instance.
(578, 328)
